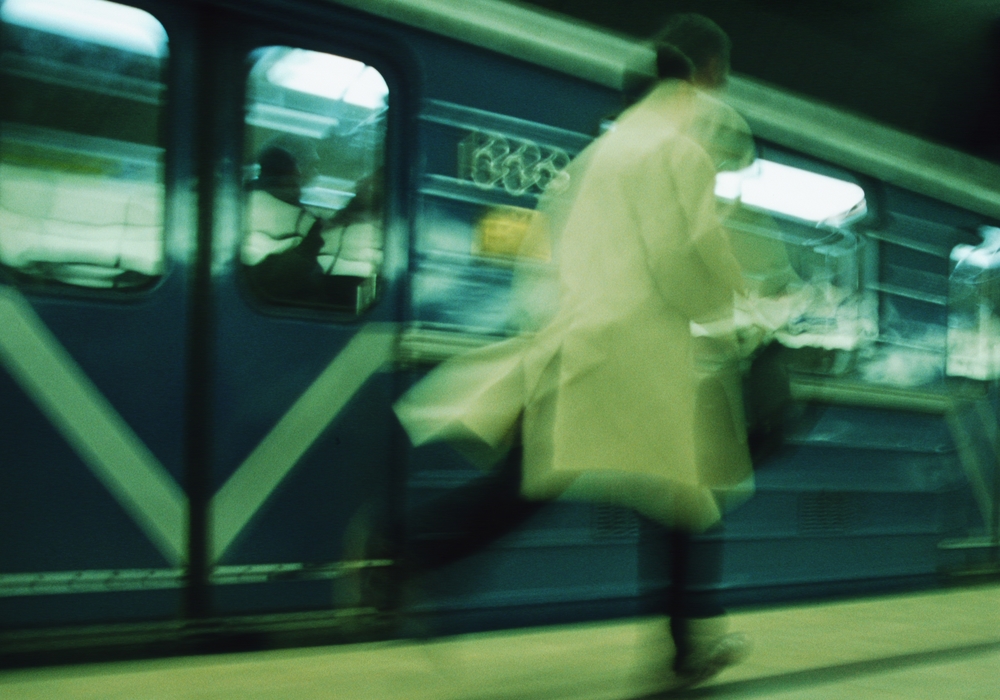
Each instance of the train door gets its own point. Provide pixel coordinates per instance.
(197, 306)
(93, 315)
(302, 303)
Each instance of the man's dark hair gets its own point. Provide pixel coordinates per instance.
(671, 62)
(697, 37)
(284, 164)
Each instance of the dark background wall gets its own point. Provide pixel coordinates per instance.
(930, 67)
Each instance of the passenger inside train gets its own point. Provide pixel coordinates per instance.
(314, 209)
(284, 239)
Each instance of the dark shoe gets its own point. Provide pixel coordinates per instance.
(704, 664)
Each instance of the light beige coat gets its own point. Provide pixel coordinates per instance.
(606, 389)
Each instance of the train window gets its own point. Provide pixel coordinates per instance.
(314, 164)
(793, 192)
(81, 158)
(791, 238)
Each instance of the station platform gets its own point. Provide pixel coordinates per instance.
(930, 645)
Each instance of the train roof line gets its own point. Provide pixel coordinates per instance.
(615, 60)
(528, 33)
(868, 147)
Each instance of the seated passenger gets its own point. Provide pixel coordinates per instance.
(353, 238)
(284, 239)
(293, 256)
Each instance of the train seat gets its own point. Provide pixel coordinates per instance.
(80, 229)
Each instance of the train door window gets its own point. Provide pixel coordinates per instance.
(314, 168)
(81, 158)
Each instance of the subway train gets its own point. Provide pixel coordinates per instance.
(233, 233)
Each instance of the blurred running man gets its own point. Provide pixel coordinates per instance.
(600, 396)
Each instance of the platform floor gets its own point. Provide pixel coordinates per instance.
(942, 644)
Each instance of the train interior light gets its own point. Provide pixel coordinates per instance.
(332, 77)
(794, 192)
(91, 21)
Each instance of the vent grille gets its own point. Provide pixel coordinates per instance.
(827, 512)
(613, 523)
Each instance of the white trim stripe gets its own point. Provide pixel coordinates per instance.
(99, 435)
(256, 479)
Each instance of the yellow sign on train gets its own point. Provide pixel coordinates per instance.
(507, 232)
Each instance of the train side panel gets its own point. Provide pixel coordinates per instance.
(196, 414)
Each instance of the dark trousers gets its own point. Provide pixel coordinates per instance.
(694, 565)
(469, 518)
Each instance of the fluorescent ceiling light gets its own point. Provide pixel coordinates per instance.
(332, 77)
(792, 192)
(94, 21)
(369, 90)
